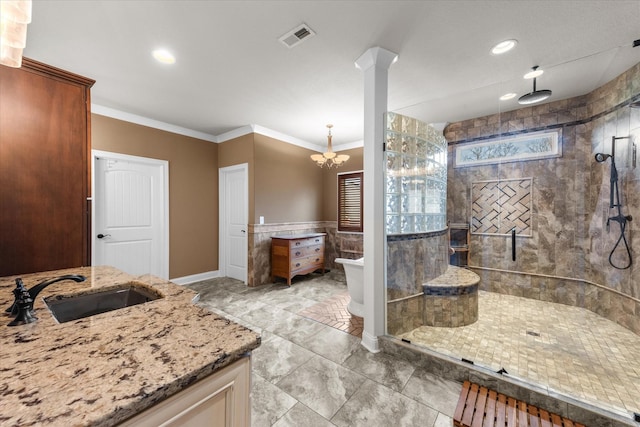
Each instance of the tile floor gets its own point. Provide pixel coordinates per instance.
(309, 374)
(567, 350)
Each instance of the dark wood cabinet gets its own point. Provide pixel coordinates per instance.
(44, 169)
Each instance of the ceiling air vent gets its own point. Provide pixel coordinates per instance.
(297, 35)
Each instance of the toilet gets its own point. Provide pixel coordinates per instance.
(354, 273)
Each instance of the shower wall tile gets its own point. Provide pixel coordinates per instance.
(349, 245)
(415, 260)
(549, 119)
(412, 261)
(570, 202)
(405, 315)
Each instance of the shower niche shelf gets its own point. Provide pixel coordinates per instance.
(459, 241)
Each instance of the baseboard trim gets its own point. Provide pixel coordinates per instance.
(196, 277)
(370, 342)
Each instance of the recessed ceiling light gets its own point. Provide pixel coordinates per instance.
(536, 72)
(508, 96)
(504, 46)
(164, 56)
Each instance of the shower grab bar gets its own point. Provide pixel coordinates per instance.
(513, 244)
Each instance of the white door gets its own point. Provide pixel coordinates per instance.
(233, 221)
(130, 214)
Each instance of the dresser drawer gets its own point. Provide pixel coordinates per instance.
(307, 251)
(306, 263)
(310, 241)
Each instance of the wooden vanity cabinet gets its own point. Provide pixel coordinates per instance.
(220, 400)
(44, 168)
(296, 254)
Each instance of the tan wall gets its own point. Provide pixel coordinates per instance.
(288, 186)
(330, 182)
(284, 184)
(193, 187)
(235, 152)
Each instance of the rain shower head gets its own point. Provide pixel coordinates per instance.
(536, 95)
(600, 157)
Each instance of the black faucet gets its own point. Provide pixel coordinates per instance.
(22, 307)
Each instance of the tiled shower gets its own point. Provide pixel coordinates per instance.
(563, 242)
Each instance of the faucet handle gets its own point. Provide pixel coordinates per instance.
(17, 291)
(24, 309)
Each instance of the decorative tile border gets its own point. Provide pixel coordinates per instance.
(529, 146)
(452, 290)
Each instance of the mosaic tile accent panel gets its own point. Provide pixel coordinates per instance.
(498, 206)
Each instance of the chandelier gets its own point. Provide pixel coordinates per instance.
(329, 158)
(14, 17)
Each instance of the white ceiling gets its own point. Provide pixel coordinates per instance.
(232, 71)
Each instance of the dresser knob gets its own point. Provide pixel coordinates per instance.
(317, 249)
(297, 264)
(298, 253)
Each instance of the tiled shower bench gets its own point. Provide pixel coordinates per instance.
(451, 299)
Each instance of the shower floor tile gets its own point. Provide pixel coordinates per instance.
(565, 349)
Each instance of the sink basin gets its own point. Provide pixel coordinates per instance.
(66, 308)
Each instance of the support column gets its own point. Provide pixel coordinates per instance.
(374, 63)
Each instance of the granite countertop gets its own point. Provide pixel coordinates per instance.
(103, 369)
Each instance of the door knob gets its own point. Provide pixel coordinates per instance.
(102, 236)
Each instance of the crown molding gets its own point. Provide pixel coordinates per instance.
(145, 121)
(226, 136)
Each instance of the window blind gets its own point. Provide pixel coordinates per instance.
(350, 202)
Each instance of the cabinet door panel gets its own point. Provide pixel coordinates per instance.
(43, 173)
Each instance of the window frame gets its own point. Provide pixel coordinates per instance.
(341, 178)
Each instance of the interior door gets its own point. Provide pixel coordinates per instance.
(233, 221)
(129, 229)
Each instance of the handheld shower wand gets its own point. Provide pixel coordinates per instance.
(614, 202)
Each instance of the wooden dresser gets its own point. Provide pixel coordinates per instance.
(296, 254)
